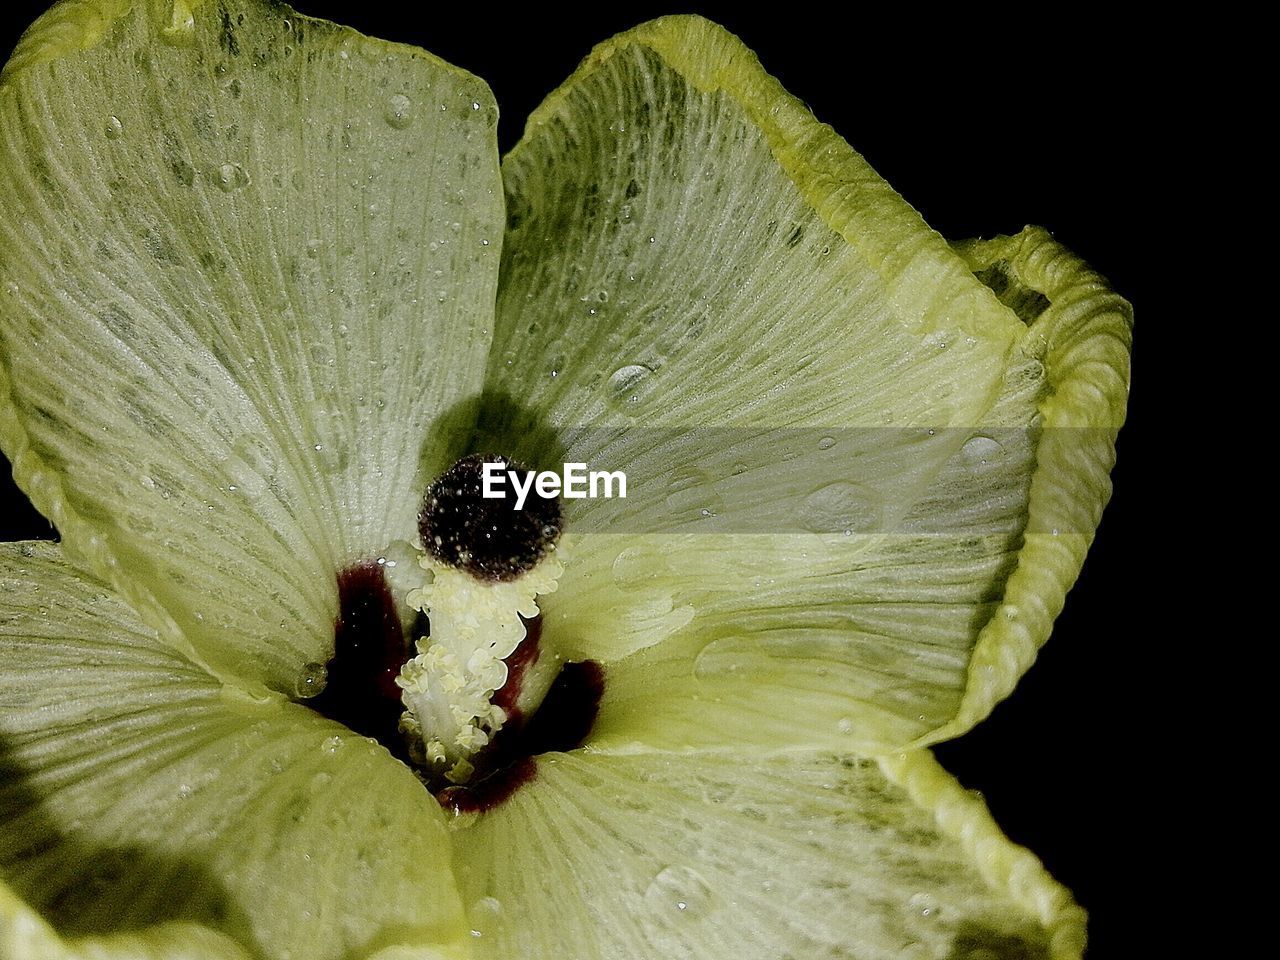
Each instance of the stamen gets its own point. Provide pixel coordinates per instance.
(487, 564)
(448, 688)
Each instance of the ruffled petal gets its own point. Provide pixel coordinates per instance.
(801, 855)
(1081, 332)
(140, 798)
(247, 270)
(846, 454)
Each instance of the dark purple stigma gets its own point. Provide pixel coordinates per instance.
(485, 536)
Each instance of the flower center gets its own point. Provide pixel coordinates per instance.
(481, 693)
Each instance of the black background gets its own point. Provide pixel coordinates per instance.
(984, 123)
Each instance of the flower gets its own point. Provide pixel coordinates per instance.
(252, 307)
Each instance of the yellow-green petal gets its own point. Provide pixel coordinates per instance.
(247, 269)
(800, 855)
(833, 429)
(25, 935)
(139, 797)
(1082, 337)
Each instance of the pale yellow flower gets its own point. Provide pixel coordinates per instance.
(259, 286)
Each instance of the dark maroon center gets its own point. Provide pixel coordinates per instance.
(369, 650)
(560, 724)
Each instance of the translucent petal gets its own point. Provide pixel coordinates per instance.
(801, 855)
(834, 432)
(24, 935)
(139, 793)
(247, 265)
(843, 641)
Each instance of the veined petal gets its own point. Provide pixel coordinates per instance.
(139, 796)
(804, 855)
(840, 641)
(835, 434)
(1083, 337)
(248, 264)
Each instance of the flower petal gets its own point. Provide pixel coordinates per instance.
(846, 454)
(859, 642)
(139, 792)
(687, 249)
(24, 935)
(805, 855)
(248, 264)
(1083, 338)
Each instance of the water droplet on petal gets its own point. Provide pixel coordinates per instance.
(838, 507)
(114, 128)
(231, 177)
(923, 904)
(631, 566)
(981, 451)
(680, 894)
(486, 917)
(630, 384)
(311, 681)
(250, 466)
(329, 437)
(399, 113)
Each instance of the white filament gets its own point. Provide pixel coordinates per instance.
(448, 687)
